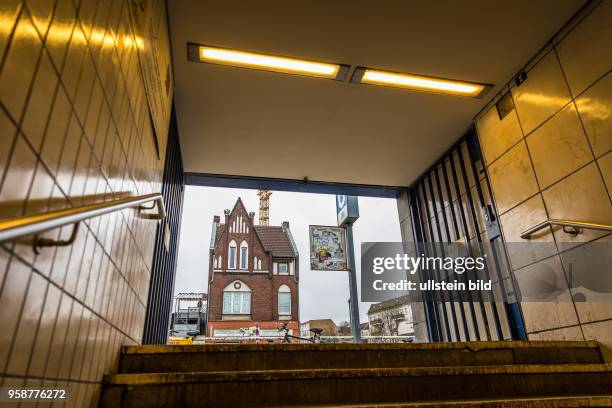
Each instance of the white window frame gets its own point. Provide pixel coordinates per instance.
(231, 260)
(236, 299)
(285, 291)
(244, 260)
(239, 302)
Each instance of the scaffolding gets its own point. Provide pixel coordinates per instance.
(264, 206)
(190, 320)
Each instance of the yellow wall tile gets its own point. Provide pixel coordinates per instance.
(595, 109)
(602, 332)
(49, 162)
(605, 165)
(585, 52)
(542, 94)
(546, 300)
(573, 333)
(541, 245)
(8, 13)
(581, 196)
(558, 147)
(497, 136)
(42, 11)
(18, 70)
(512, 178)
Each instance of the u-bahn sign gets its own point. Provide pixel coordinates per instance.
(327, 248)
(347, 209)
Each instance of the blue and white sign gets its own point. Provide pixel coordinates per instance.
(347, 209)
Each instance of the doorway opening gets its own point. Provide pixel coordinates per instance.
(244, 256)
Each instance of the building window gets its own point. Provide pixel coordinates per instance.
(231, 261)
(284, 301)
(236, 302)
(283, 268)
(236, 299)
(244, 255)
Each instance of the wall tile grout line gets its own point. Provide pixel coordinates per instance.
(50, 379)
(93, 138)
(6, 112)
(74, 298)
(570, 26)
(584, 133)
(582, 315)
(595, 159)
(22, 116)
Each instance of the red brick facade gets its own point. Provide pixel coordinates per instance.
(267, 247)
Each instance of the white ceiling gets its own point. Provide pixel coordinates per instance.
(236, 121)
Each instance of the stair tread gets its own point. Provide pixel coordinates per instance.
(471, 345)
(274, 375)
(566, 401)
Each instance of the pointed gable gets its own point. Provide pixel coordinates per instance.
(273, 239)
(238, 220)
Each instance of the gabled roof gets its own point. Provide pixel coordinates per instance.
(389, 304)
(220, 228)
(274, 239)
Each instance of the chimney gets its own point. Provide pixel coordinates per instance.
(285, 225)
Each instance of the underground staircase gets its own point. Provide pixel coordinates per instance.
(489, 374)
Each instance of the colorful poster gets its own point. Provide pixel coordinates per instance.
(327, 248)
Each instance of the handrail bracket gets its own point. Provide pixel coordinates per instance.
(571, 230)
(39, 242)
(159, 215)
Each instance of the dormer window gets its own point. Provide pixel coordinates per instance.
(283, 268)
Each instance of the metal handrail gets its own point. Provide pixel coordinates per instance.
(35, 224)
(575, 225)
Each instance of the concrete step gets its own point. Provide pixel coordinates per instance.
(351, 386)
(544, 402)
(249, 357)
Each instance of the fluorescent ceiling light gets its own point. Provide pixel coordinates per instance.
(417, 82)
(203, 53)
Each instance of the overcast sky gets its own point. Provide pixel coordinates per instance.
(322, 294)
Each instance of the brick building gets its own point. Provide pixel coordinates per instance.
(327, 325)
(253, 279)
(392, 317)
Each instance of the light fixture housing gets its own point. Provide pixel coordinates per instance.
(266, 62)
(415, 82)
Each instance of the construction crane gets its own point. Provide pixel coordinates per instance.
(264, 206)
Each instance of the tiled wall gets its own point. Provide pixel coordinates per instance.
(419, 320)
(74, 127)
(551, 157)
